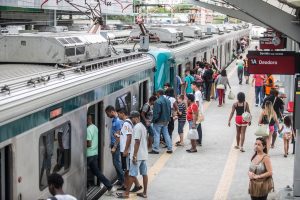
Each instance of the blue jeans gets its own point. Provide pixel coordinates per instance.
(158, 128)
(118, 165)
(92, 162)
(258, 94)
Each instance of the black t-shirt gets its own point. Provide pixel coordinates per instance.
(208, 75)
(278, 105)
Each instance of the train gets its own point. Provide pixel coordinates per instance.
(50, 82)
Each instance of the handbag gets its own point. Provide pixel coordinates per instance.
(263, 130)
(231, 96)
(200, 117)
(220, 86)
(247, 117)
(193, 134)
(261, 187)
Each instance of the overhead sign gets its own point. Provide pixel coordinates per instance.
(272, 42)
(272, 62)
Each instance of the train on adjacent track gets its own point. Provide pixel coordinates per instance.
(50, 82)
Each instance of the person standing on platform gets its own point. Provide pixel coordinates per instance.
(278, 106)
(188, 81)
(268, 116)
(55, 184)
(178, 85)
(240, 107)
(114, 143)
(192, 116)
(240, 69)
(146, 118)
(222, 82)
(260, 170)
(208, 80)
(199, 102)
(169, 94)
(138, 156)
(181, 118)
(246, 73)
(287, 132)
(270, 83)
(258, 82)
(161, 117)
(92, 154)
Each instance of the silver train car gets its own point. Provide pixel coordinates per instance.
(39, 102)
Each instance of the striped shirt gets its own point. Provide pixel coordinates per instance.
(182, 109)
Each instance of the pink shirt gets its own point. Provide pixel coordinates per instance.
(259, 79)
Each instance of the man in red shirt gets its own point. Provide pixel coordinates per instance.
(259, 83)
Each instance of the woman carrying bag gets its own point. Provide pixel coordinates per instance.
(260, 172)
(192, 116)
(222, 82)
(266, 122)
(241, 107)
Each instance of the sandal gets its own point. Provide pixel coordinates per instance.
(191, 151)
(122, 196)
(242, 150)
(179, 144)
(135, 189)
(141, 195)
(236, 147)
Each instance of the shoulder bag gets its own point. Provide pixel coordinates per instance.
(246, 115)
(261, 187)
(263, 130)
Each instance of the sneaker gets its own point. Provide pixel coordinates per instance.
(169, 151)
(153, 152)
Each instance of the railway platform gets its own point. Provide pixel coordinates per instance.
(217, 171)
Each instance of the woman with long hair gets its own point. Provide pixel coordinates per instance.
(191, 116)
(268, 116)
(260, 171)
(240, 107)
(222, 82)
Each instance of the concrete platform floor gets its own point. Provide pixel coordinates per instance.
(217, 171)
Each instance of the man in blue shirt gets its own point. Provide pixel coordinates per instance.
(115, 139)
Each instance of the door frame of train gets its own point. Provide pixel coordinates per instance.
(6, 176)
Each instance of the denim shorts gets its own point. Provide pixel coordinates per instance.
(180, 127)
(191, 124)
(140, 166)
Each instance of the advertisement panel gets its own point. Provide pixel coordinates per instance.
(272, 62)
(272, 42)
(118, 7)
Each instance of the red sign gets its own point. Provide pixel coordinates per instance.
(272, 62)
(272, 42)
(55, 113)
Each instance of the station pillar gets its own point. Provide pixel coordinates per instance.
(297, 142)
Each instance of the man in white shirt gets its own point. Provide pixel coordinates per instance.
(138, 156)
(199, 102)
(55, 184)
(125, 147)
(240, 69)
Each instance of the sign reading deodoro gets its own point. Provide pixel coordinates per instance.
(272, 62)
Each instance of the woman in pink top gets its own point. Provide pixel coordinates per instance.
(259, 83)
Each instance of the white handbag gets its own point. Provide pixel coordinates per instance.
(193, 134)
(263, 130)
(220, 86)
(231, 96)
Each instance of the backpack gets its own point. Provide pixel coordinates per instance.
(141, 110)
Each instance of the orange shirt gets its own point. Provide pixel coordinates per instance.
(269, 84)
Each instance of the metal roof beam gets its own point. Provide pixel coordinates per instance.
(269, 15)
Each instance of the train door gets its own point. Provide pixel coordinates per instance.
(205, 56)
(194, 62)
(221, 56)
(97, 113)
(143, 93)
(6, 173)
(180, 70)
(172, 75)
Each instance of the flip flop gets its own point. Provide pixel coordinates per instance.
(122, 196)
(236, 147)
(135, 189)
(178, 144)
(141, 195)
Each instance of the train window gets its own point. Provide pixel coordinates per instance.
(54, 152)
(80, 50)
(124, 101)
(70, 40)
(63, 41)
(70, 51)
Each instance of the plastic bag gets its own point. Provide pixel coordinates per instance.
(193, 134)
(231, 96)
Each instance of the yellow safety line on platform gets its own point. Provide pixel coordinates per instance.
(230, 167)
(161, 162)
(298, 93)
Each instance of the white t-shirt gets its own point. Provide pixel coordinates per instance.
(140, 132)
(126, 130)
(198, 97)
(63, 197)
(172, 100)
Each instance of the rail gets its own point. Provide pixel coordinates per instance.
(33, 80)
